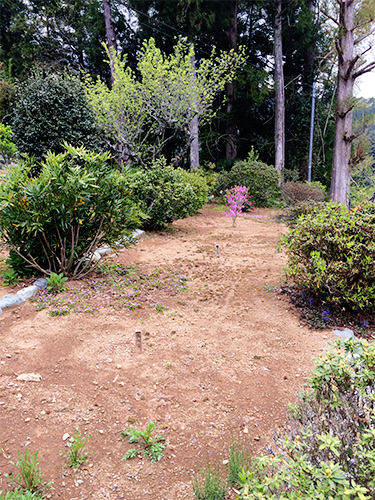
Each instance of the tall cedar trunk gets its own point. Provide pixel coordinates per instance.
(110, 34)
(231, 141)
(280, 95)
(343, 129)
(194, 137)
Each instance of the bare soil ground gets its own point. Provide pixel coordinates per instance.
(223, 360)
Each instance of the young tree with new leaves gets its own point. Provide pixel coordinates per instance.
(355, 23)
(140, 116)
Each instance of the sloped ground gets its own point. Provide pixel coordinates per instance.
(223, 360)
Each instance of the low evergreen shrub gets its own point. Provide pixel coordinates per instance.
(165, 194)
(331, 254)
(261, 180)
(7, 147)
(56, 221)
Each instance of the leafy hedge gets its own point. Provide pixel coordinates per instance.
(56, 221)
(331, 254)
(262, 181)
(165, 194)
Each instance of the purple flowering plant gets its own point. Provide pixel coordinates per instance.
(238, 200)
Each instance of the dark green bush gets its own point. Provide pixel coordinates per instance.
(328, 445)
(262, 181)
(331, 254)
(50, 110)
(56, 221)
(165, 194)
(294, 192)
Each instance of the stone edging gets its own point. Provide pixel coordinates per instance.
(41, 283)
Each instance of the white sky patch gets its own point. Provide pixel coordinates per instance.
(365, 86)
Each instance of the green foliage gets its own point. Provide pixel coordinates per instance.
(49, 110)
(55, 222)
(239, 459)
(294, 192)
(141, 114)
(19, 495)
(331, 252)
(166, 194)
(328, 448)
(77, 455)
(56, 283)
(7, 147)
(197, 181)
(208, 485)
(10, 277)
(262, 181)
(149, 445)
(18, 265)
(29, 478)
(302, 208)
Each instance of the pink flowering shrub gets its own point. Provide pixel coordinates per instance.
(238, 200)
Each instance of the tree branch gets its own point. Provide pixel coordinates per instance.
(369, 67)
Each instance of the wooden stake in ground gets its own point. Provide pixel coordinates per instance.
(138, 340)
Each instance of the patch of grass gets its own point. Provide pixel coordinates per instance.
(239, 459)
(208, 484)
(149, 445)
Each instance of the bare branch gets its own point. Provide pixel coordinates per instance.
(330, 17)
(369, 67)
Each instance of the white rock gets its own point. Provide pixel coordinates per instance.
(29, 377)
(10, 300)
(28, 292)
(66, 436)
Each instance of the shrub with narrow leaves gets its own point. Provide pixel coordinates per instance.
(56, 221)
(294, 192)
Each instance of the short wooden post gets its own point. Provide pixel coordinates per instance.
(138, 340)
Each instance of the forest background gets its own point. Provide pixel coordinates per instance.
(55, 36)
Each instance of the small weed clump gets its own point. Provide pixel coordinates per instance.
(149, 445)
(28, 481)
(56, 283)
(77, 455)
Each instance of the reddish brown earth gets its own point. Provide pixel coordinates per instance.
(223, 360)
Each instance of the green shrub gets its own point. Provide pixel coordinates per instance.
(294, 192)
(7, 147)
(331, 254)
(198, 183)
(164, 195)
(262, 181)
(49, 110)
(56, 221)
(302, 208)
(328, 446)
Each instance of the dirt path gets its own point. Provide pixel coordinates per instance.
(224, 359)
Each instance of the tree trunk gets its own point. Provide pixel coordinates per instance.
(110, 34)
(231, 141)
(279, 93)
(345, 82)
(194, 133)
